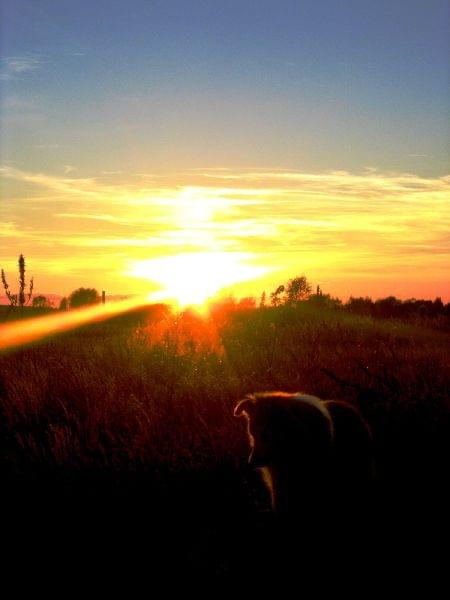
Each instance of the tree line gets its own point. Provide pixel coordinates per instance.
(296, 290)
(299, 290)
(24, 296)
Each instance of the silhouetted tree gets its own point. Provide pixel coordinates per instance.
(262, 301)
(275, 296)
(438, 306)
(41, 302)
(324, 301)
(83, 296)
(64, 304)
(392, 307)
(360, 306)
(387, 307)
(21, 298)
(297, 289)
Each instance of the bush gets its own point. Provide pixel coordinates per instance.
(83, 296)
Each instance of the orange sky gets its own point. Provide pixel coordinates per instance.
(193, 233)
(181, 149)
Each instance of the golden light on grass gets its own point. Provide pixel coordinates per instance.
(190, 279)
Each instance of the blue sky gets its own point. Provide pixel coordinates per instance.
(271, 137)
(172, 85)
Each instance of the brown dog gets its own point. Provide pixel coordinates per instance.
(309, 450)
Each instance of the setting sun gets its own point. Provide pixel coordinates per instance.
(212, 209)
(193, 278)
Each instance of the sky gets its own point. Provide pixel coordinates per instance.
(183, 147)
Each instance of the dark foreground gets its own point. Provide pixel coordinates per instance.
(196, 533)
(121, 462)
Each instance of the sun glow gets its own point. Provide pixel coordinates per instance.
(192, 278)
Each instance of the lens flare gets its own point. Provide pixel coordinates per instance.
(26, 331)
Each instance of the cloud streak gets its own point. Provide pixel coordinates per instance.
(337, 226)
(13, 67)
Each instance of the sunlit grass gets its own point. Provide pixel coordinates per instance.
(139, 409)
(164, 390)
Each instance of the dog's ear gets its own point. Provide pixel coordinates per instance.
(245, 406)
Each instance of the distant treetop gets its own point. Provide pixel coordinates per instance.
(83, 296)
(296, 290)
(41, 302)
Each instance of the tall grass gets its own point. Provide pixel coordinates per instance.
(124, 398)
(140, 408)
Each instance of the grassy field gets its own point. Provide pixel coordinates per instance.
(133, 418)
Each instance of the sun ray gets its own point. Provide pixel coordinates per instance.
(26, 331)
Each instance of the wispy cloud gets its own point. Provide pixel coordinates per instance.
(69, 169)
(8, 229)
(331, 225)
(420, 155)
(47, 146)
(18, 103)
(15, 66)
(77, 186)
